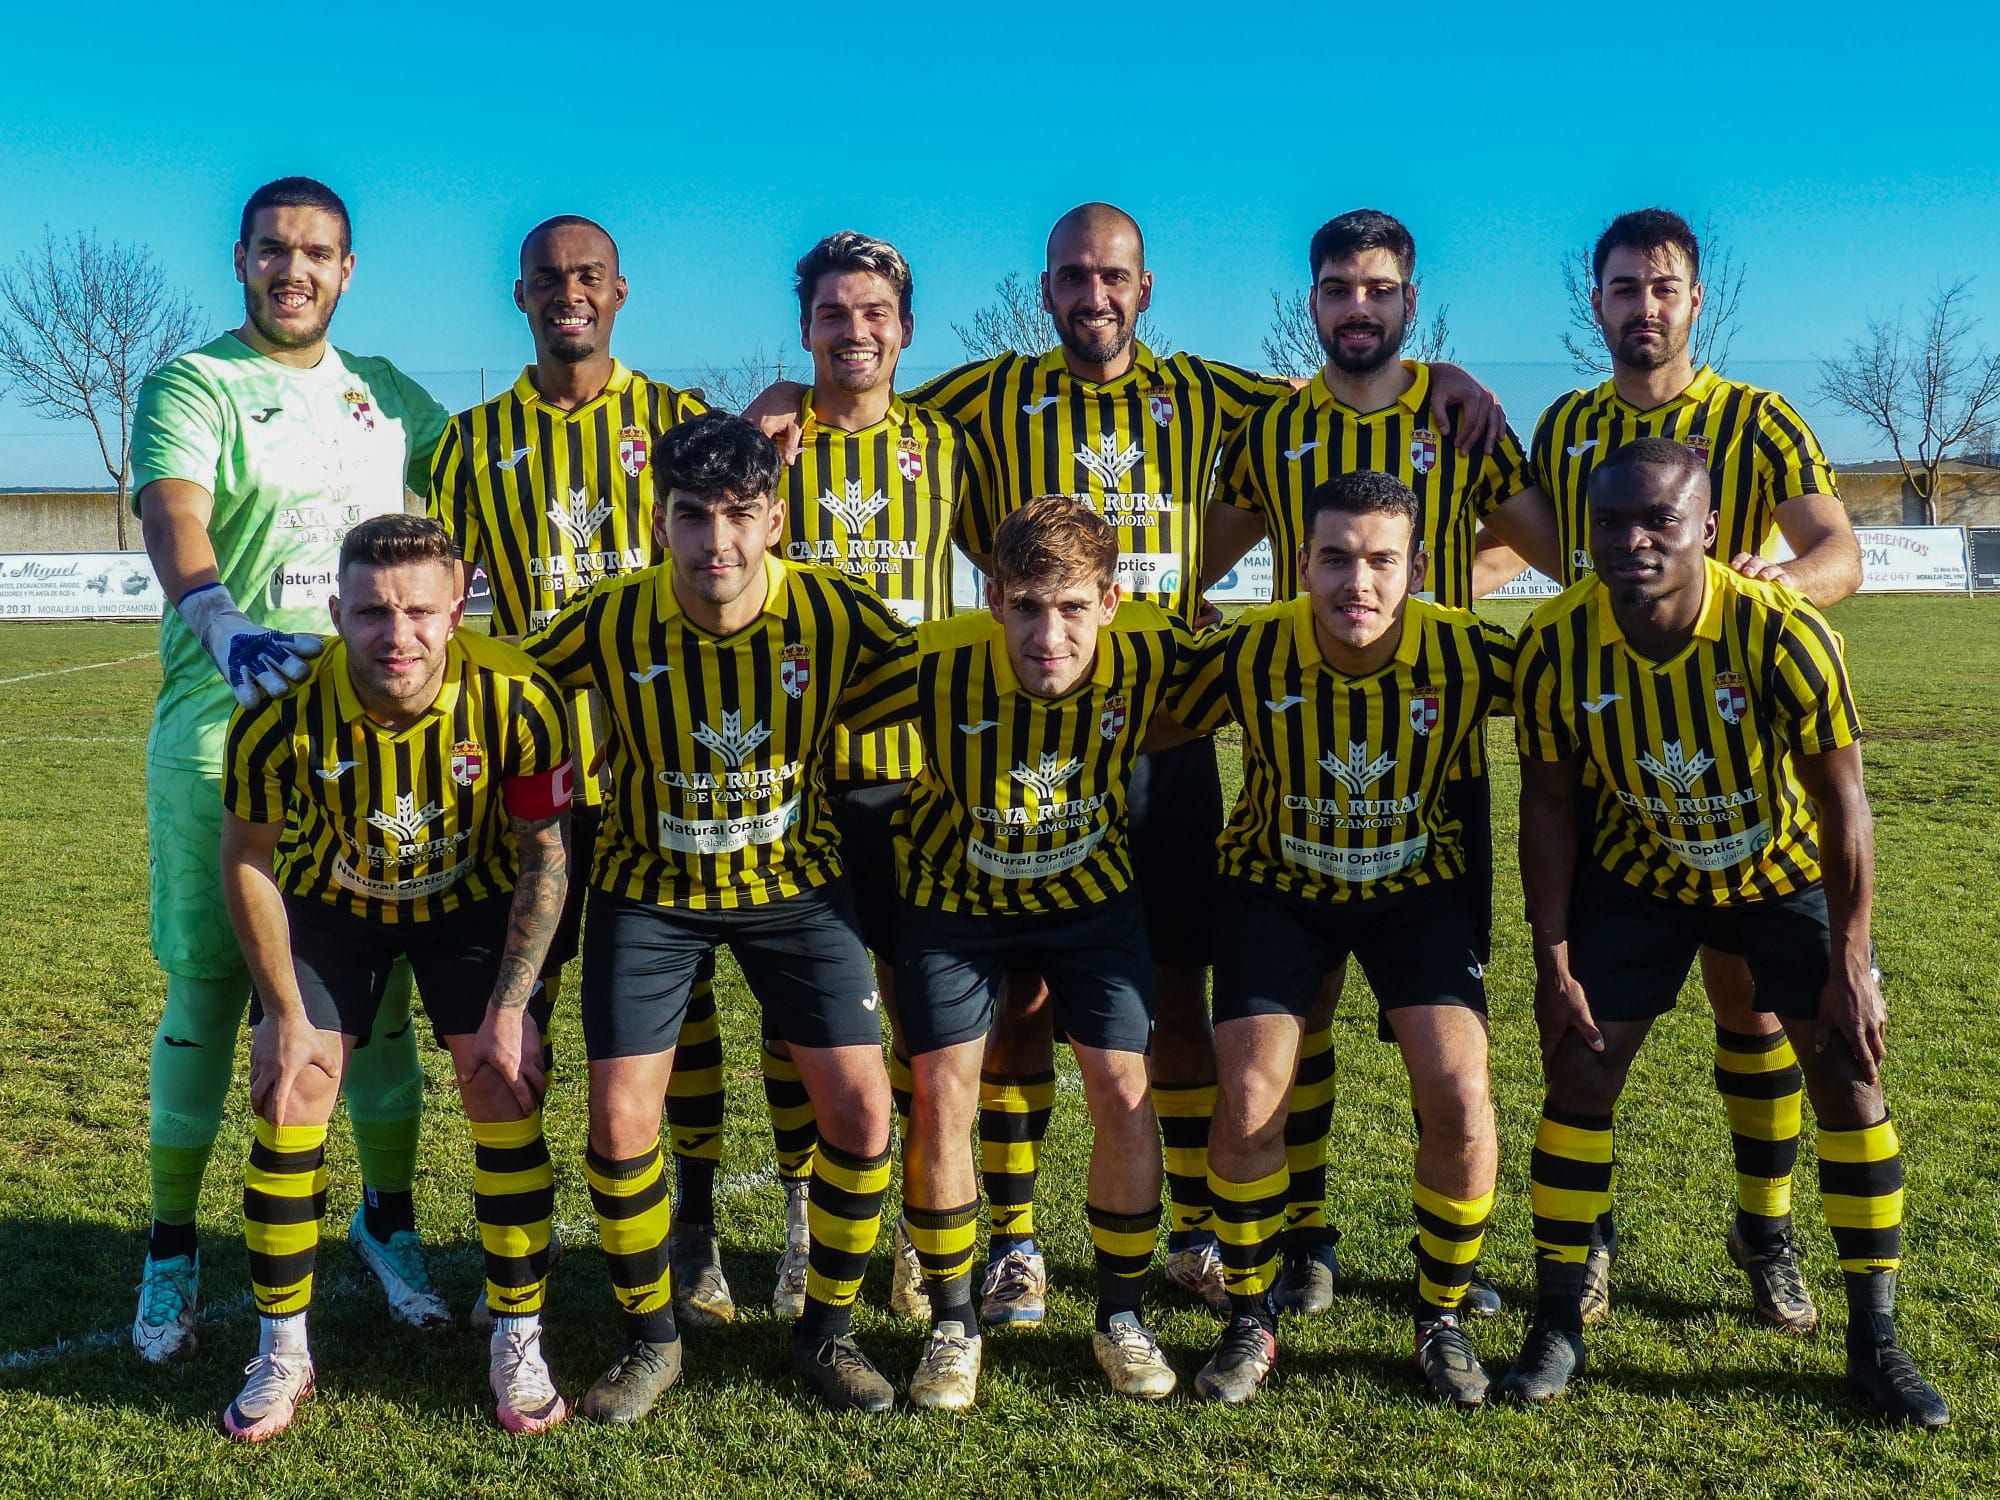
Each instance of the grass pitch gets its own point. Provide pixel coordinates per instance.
(1685, 1392)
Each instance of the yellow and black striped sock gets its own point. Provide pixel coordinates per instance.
(514, 1198)
(1307, 1129)
(1861, 1192)
(284, 1198)
(902, 1089)
(794, 1126)
(1248, 1216)
(1124, 1252)
(1449, 1234)
(946, 1242)
(1013, 1119)
(695, 1105)
(634, 1214)
(1185, 1116)
(843, 1215)
(1569, 1185)
(1762, 1090)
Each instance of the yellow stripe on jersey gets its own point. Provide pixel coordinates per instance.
(1759, 452)
(879, 505)
(1292, 446)
(1343, 777)
(718, 748)
(1698, 799)
(397, 825)
(1142, 450)
(549, 502)
(1019, 808)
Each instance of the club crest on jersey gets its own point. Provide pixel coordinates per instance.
(1423, 712)
(1699, 442)
(632, 450)
(910, 459)
(1732, 697)
(1423, 450)
(795, 669)
(468, 762)
(1160, 407)
(1111, 718)
(359, 409)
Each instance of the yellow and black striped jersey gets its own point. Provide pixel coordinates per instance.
(397, 825)
(879, 505)
(549, 502)
(718, 748)
(1019, 808)
(1292, 446)
(1758, 449)
(1698, 799)
(1344, 777)
(1141, 449)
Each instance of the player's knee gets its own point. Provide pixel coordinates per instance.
(1455, 1108)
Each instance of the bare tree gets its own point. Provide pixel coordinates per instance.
(1016, 320)
(1933, 394)
(1292, 347)
(82, 324)
(734, 387)
(1722, 297)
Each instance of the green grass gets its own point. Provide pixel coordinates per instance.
(1685, 1393)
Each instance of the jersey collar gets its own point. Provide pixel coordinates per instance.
(1307, 639)
(349, 702)
(1006, 681)
(1717, 585)
(777, 598)
(1145, 367)
(1697, 391)
(1412, 400)
(898, 415)
(527, 395)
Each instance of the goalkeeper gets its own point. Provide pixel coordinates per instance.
(251, 457)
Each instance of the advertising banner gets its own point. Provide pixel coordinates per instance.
(78, 586)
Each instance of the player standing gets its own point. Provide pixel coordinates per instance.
(251, 457)
(549, 488)
(1714, 713)
(873, 492)
(1768, 477)
(406, 805)
(1367, 410)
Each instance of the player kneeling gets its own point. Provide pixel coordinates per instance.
(1012, 849)
(409, 801)
(1356, 701)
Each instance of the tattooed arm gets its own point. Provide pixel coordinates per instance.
(509, 1041)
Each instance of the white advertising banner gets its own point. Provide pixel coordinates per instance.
(79, 586)
(1914, 560)
(1527, 584)
(1249, 582)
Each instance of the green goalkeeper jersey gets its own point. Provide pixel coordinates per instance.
(293, 458)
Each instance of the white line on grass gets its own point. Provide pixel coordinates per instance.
(572, 1235)
(72, 739)
(89, 666)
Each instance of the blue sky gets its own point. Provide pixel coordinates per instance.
(720, 145)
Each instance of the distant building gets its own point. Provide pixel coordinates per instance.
(1877, 494)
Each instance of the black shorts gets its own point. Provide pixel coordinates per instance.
(1469, 799)
(1175, 808)
(1631, 952)
(343, 961)
(1100, 974)
(801, 956)
(584, 822)
(1273, 949)
(864, 815)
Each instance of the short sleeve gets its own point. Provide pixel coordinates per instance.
(256, 749)
(1790, 460)
(1815, 703)
(178, 428)
(1199, 695)
(1541, 726)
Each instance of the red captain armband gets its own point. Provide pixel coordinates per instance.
(542, 795)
